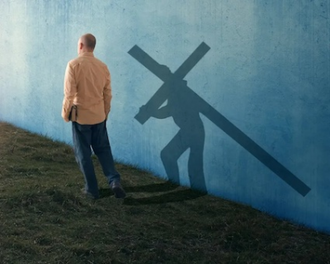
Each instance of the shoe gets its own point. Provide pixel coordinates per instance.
(88, 194)
(117, 189)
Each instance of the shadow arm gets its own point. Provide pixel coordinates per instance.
(161, 113)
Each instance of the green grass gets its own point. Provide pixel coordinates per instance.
(45, 219)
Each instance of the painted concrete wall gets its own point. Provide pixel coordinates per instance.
(255, 106)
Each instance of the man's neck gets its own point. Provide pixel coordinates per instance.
(85, 52)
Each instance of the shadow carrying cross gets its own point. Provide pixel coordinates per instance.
(176, 92)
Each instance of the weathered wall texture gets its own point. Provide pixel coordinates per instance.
(267, 72)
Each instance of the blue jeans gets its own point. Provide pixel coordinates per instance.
(95, 136)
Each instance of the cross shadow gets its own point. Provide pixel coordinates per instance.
(185, 106)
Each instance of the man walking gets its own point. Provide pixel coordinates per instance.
(87, 97)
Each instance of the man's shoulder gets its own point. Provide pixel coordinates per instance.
(99, 61)
(74, 62)
(82, 59)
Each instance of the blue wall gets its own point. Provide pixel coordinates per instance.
(267, 72)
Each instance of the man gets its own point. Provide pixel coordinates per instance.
(87, 96)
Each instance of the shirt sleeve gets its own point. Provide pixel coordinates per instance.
(107, 93)
(70, 89)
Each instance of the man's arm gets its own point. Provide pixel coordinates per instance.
(107, 95)
(70, 89)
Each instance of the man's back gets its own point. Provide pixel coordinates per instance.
(87, 85)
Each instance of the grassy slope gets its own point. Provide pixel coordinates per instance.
(45, 219)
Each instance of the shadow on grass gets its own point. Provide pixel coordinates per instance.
(177, 196)
(167, 197)
(151, 188)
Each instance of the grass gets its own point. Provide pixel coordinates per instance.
(45, 219)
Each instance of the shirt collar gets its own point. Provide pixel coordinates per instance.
(86, 54)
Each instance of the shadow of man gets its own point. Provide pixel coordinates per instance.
(184, 106)
(181, 106)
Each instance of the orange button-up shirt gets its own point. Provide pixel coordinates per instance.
(87, 84)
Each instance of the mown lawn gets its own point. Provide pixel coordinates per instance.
(45, 219)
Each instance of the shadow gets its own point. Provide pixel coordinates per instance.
(190, 136)
(105, 192)
(176, 196)
(167, 197)
(151, 188)
(181, 107)
(185, 107)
